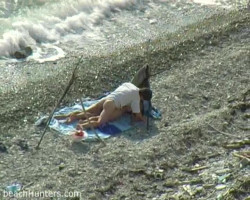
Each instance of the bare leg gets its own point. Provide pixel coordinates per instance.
(116, 114)
(94, 118)
(91, 120)
(63, 116)
(96, 108)
(109, 113)
(80, 115)
(86, 125)
(93, 110)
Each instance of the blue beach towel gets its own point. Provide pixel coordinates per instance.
(105, 131)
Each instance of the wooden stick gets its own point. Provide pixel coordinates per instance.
(159, 72)
(92, 128)
(27, 185)
(241, 156)
(227, 134)
(195, 169)
(149, 106)
(148, 114)
(59, 101)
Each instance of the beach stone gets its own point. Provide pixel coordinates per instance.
(3, 148)
(61, 166)
(23, 145)
(220, 187)
(23, 53)
(153, 21)
(216, 105)
(223, 171)
(245, 162)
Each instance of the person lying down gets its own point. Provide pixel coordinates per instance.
(125, 99)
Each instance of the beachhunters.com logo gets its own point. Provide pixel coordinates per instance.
(41, 194)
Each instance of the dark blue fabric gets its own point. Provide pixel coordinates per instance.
(109, 129)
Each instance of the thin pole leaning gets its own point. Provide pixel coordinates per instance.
(72, 79)
(149, 108)
(91, 126)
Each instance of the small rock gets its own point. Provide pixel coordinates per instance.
(166, 124)
(245, 162)
(23, 53)
(49, 186)
(223, 178)
(3, 148)
(223, 171)
(246, 116)
(61, 167)
(199, 189)
(23, 145)
(208, 186)
(152, 21)
(19, 55)
(219, 197)
(220, 187)
(177, 98)
(216, 106)
(188, 189)
(171, 183)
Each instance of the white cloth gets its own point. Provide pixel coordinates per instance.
(126, 95)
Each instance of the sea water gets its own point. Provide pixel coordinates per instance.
(57, 28)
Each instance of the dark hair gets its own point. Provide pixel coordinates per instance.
(146, 93)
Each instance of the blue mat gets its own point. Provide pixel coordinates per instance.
(104, 131)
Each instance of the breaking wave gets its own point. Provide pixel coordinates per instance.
(50, 22)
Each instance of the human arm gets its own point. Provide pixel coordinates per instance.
(137, 117)
(137, 111)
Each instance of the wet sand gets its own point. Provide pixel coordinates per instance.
(201, 85)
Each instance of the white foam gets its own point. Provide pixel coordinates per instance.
(220, 3)
(206, 2)
(52, 22)
(13, 41)
(41, 55)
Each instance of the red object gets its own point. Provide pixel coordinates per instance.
(79, 133)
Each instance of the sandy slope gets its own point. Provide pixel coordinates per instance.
(203, 93)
